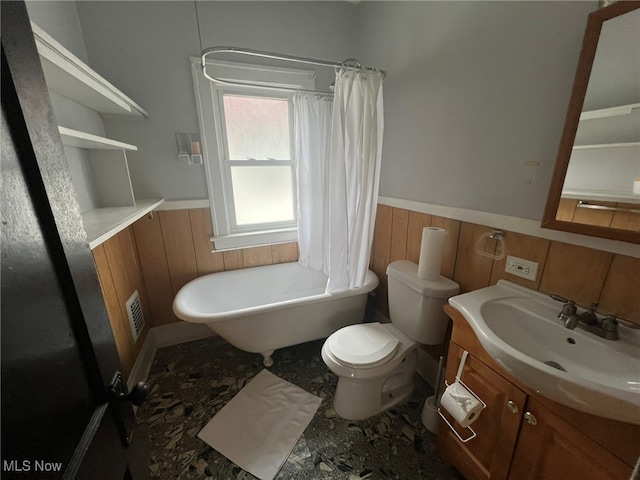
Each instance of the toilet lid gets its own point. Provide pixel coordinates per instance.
(364, 344)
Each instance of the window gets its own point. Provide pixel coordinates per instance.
(261, 170)
(249, 155)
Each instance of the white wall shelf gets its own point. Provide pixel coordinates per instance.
(69, 76)
(103, 223)
(601, 195)
(609, 112)
(76, 138)
(607, 145)
(100, 170)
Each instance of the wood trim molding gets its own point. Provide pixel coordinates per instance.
(513, 224)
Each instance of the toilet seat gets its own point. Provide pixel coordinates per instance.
(363, 345)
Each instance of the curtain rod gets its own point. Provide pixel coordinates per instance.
(349, 64)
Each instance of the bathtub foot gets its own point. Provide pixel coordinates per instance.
(266, 358)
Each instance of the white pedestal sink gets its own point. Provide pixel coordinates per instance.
(521, 331)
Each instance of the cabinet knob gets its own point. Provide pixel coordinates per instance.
(512, 407)
(531, 420)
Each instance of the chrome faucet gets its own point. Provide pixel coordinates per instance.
(568, 313)
(584, 319)
(571, 322)
(610, 328)
(589, 317)
(606, 328)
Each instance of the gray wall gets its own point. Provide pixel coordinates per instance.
(144, 49)
(474, 90)
(61, 21)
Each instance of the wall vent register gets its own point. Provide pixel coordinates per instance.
(136, 318)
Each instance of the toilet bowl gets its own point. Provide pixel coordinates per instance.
(375, 362)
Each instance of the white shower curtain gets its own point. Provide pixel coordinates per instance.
(354, 163)
(312, 115)
(338, 197)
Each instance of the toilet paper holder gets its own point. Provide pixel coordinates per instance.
(473, 433)
(484, 405)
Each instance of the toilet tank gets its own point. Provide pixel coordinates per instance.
(415, 305)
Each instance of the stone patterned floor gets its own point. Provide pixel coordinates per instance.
(192, 381)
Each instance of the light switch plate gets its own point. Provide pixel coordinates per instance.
(521, 268)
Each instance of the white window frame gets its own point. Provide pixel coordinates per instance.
(209, 96)
(227, 163)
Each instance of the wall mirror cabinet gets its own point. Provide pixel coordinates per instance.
(592, 190)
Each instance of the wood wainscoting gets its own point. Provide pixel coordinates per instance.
(120, 274)
(619, 215)
(583, 274)
(174, 249)
(158, 255)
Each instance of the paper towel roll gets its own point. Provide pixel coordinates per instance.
(461, 404)
(431, 252)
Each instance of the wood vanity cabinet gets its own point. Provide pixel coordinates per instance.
(489, 454)
(550, 447)
(522, 435)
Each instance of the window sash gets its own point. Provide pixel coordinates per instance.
(227, 163)
(222, 93)
(235, 228)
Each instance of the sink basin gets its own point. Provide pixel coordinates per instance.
(520, 330)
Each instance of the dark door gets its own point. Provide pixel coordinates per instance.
(59, 419)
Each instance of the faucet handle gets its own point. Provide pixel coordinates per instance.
(558, 298)
(619, 321)
(569, 307)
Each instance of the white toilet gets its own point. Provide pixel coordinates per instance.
(375, 362)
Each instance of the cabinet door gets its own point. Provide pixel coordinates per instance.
(489, 454)
(550, 448)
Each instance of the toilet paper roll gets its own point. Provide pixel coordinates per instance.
(461, 404)
(431, 252)
(636, 186)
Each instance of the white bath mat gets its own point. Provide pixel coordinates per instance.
(260, 426)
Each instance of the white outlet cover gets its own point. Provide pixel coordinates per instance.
(521, 268)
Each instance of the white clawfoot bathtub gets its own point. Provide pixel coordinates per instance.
(261, 309)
